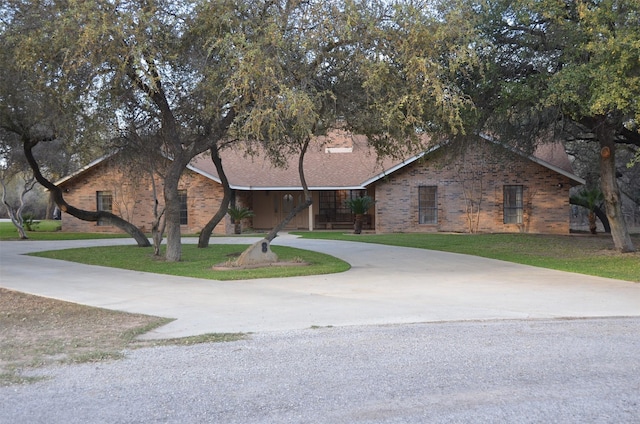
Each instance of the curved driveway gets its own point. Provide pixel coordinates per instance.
(386, 285)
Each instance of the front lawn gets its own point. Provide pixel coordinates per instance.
(50, 230)
(580, 253)
(198, 263)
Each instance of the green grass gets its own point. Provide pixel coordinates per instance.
(585, 254)
(50, 230)
(198, 263)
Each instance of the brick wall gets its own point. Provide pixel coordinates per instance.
(133, 199)
(474, 175)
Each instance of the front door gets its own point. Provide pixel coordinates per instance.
(288, 201)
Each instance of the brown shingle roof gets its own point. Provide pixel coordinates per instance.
(338, 161)
(554, 154)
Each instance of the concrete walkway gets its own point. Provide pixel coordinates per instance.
(386, 285)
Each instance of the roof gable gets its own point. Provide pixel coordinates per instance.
(339, 161)
(551, 155)
(84, 169)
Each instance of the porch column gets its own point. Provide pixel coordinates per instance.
(311, 217)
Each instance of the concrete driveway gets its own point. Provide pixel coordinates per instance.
(386, 285)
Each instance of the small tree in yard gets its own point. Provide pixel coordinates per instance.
(590, 198)
(16, 181)
(470, 173)
(15, 210)
(238, 214)
(359, 206)
(472, 191)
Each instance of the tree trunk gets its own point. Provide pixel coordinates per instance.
(17, 222)
(307, 196)
(357, 226)
(16, 218)
(295, 211)
(157, 233)
(51, 205)
(609, 185)
(592, 222)
(158, 224)
(602, 216)
(205, 234)
(20, 227)
(172, 212)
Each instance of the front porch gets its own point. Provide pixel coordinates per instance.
(328, 211)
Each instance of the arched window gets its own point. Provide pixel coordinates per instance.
(287, 203)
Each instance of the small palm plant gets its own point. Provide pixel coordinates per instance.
(237, 215)
(359, 206)
(591, 198)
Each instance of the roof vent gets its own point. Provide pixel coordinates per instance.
(338, 149)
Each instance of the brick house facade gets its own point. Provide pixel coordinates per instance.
(484, 187)
(130, 196)
(466, 193)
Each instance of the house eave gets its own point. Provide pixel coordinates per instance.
(401, 165)
(295, 188)
(573, 177)
(273, 188)
(204, 174)
(83, 169)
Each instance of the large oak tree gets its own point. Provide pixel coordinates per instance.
(42, 112)
(566, 68)
(390, 71)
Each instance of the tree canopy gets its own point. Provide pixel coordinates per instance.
(178, 78)
(566, 69)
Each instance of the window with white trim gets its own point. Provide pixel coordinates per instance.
(513, 204)
(104, 202)
(428, 204)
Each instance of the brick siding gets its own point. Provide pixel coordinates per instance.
(133, 199)
(478, 173)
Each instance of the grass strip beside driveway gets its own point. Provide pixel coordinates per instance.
(579, 253)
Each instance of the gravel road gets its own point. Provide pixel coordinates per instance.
(518, 371)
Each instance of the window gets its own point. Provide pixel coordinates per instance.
(333, 204)
(513, 204)
(428, 204)
(327, 205)
(104, 202)
(184, 214)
